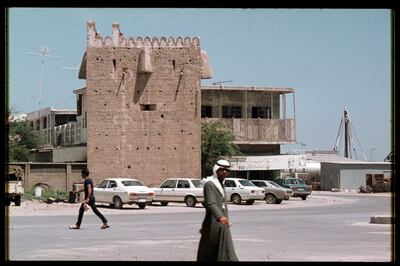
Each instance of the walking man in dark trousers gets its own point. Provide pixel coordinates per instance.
(89, 200)
(216, 241)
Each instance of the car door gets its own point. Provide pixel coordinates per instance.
(167, 190)
(230, 188)
(182, 189)
(100, 191)
(111, 191)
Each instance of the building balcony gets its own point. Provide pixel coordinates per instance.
(258, 130)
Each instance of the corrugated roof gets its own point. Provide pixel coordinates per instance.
(336, 158)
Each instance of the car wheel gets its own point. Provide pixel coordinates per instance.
(117, 202)
(17, 201)
(8, 202)
(278, 201)
(236, 199)
(303, 197)
(270, 199)
(190, 201)
(164, 203)
(250, 201)
(142, 205)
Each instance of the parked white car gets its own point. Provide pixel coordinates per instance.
(238, 189)
(187, 190)
(120, 191)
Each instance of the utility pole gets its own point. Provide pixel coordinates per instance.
(347, 153)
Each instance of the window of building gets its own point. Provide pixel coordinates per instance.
(261, 112)
(147, 107)
(44, 122)
(61, 119)
(38, 124)
(206, 111)
(231, 111)
(79, 105)
(276, 98)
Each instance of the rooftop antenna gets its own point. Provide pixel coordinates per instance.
(43, 52)
(72, 66)
(349, 132)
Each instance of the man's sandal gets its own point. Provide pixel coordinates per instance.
(104, 226)
(74, 227)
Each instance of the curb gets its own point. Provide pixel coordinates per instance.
(381, 220)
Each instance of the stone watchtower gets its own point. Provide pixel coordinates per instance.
(143, 105)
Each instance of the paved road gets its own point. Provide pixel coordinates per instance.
(327, 227)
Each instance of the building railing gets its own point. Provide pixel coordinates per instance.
(72, 133)
(258, 131)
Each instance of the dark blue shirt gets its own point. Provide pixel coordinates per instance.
(88, 181)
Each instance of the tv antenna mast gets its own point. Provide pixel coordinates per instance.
(43, 52)
(348, 137)
(72, 66)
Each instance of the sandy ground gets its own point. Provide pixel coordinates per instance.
(35, 207)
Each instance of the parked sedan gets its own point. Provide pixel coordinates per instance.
(120, 191)
(238, 189)
(187, 190)
(298, 186)
(274, 193)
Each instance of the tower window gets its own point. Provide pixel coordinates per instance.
(147, 107)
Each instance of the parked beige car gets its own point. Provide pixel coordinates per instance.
(187, 190)
(238, 189)
(274, 193)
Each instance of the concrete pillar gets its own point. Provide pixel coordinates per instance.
(68, 185)
(26, 176)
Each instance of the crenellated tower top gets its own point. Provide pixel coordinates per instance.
(118, 40)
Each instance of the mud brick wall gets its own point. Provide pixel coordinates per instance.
(143, 109)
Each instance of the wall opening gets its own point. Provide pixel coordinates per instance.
(147, 107)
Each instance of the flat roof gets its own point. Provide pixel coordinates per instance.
(77, 91)
(338, 159)
(246, 88)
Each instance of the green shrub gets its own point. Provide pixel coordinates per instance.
(55, 195)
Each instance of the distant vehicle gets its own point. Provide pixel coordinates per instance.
(120, 191)
(274, 193)
(298, 186)
(187, 190)
(14, 187)
(238, 189)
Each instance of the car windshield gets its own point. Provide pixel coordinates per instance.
(246, 183)
(131, 183)
(197, 183)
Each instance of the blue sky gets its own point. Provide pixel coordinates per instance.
(332, 58)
